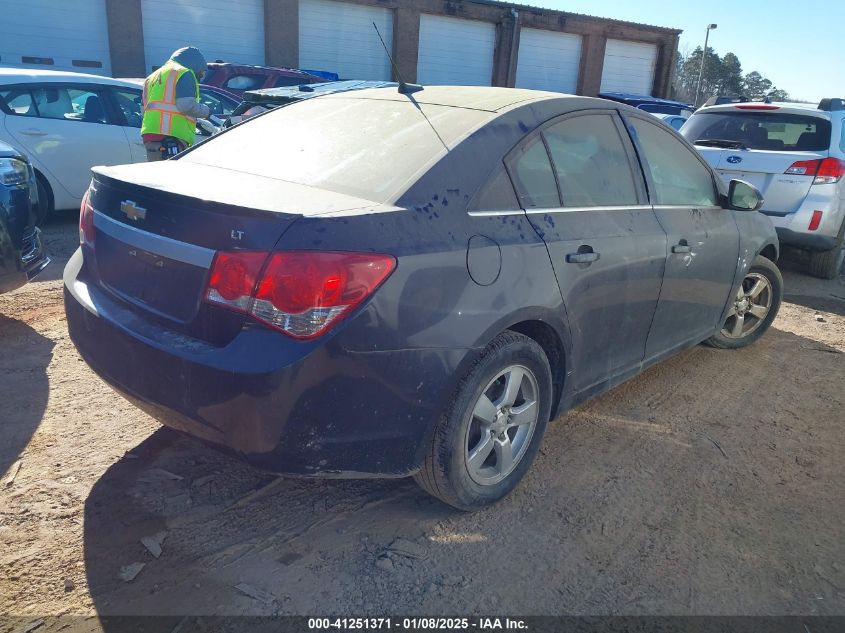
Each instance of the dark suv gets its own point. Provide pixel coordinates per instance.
(236, 78)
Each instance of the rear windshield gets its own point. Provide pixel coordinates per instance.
(761, 130)
(368, 148)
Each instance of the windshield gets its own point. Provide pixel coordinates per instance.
(759, 130)
(373, 149)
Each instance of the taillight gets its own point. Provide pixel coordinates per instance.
(301, 293)
(86, 220)
(826, 170)
(830, 171)
(803, 168)
(815, 221)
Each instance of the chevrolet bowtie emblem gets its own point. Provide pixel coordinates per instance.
(132, 210)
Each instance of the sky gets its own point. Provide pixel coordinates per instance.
(797, 45)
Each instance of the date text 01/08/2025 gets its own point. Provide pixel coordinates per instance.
(416, 624)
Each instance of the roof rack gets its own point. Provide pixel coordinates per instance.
(832, 105)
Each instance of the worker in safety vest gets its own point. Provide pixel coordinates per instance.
(171, 104)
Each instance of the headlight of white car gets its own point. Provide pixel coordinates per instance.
(13, 171)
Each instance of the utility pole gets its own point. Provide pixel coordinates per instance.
(710, 27)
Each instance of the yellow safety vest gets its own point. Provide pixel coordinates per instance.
(161, 116)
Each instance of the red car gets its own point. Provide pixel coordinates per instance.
(235, 78)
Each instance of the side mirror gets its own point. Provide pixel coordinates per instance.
(743, 196)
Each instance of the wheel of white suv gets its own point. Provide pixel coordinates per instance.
(754, 307)
(488, 437)
(828, 264)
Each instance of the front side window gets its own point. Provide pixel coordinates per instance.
(533, 177)
(678, 177)
(18, 102)
(591, 162)
(129, 102)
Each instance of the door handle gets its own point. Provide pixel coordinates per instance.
(682, 247)
(33, 132)
(582, 258)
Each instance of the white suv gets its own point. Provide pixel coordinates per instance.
(795, 155)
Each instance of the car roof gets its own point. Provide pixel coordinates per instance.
(757, 107)
(31, 75)
(636, 99)
(470, 97)
(306, 90)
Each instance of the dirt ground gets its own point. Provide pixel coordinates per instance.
(714, 483)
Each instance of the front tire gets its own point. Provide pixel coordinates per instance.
(45, 199)
(489, 435)
(755, 306)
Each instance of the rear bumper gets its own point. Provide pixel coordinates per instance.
(793, 228)
(809, 241)
(24, 265)
(291, 407)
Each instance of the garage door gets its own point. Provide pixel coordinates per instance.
(55, 35)
(455, 51)
(339, 37)
(629, 67)
(221, 29)
(548, 60)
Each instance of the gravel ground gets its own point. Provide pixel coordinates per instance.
(710, 484)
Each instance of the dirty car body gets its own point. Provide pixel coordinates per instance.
(22, 255)
(451, 192)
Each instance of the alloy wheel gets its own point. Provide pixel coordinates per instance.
(502, 425)
(750, 308)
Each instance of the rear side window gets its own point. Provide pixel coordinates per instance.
(678, 177)
(244, 82)
(764, 130)
(533, 177)
(496, 195)
(591, 163)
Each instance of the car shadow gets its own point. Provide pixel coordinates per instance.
(654, 498)
(23, 374)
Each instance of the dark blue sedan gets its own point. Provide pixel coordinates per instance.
(380, 284)
(22, 255)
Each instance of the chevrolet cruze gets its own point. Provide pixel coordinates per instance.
(404, 282)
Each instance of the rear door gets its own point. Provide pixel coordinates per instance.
(575, 180)
(67, 128)
(768, 144)
(703, 246)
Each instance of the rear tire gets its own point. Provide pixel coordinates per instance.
(490, 433)
(827, 264)
(755, 306)
(45, 199)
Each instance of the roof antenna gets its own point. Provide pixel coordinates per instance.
(404, 88)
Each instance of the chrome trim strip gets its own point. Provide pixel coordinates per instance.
(631, 207)
(493, 214)
(152, 243)
(686, 207)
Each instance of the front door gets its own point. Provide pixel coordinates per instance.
(577, 182)
(703, 239)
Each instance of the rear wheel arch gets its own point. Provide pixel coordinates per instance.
(551, 342)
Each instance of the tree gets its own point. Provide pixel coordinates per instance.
(755, 86)
(730, 81)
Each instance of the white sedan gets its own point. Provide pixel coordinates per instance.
(69, 122)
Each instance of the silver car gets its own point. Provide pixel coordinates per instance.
(795, 155)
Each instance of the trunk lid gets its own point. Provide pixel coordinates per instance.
(158, 227)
